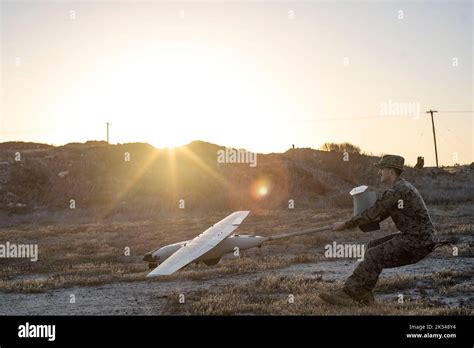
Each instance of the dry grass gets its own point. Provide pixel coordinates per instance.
(271, 295)
(88, 249)
(92, 253)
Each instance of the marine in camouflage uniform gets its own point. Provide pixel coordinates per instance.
(404, 204)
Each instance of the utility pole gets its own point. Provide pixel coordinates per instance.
(108, 124)
(434, 134)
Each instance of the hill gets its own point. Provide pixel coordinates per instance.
(135, 176)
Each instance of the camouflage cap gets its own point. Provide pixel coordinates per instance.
(391, 161)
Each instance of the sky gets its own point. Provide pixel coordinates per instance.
(256, 75)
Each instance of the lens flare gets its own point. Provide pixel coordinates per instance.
(260, 189)
(263, 190)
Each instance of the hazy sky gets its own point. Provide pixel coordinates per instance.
(257, 75)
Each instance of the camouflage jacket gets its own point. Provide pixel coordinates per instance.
(405, 205)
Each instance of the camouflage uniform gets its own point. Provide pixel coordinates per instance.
(405, 205)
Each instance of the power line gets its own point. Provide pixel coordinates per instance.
(452, 144)
(339, 119)
(448, 142)
(376, 116)
(454, 136)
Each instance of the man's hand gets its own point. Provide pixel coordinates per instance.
(339, 226)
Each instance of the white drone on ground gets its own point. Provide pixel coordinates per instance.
(210, 246)
(218, 241)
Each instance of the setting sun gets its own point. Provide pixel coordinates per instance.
(249, 76)
(169, 96)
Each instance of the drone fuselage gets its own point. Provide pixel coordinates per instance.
(229, 246)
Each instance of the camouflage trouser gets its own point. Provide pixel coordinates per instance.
(394, 250)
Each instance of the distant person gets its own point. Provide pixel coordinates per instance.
(404, 204)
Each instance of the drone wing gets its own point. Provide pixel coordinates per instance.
(200, 245)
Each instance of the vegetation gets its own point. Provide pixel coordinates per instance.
(341, 148)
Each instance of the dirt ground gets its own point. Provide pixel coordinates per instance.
(83, 269)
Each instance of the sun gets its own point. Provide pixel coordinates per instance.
(166, 98)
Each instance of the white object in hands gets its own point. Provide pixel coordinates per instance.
(362, 198)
